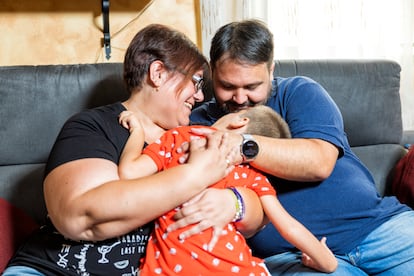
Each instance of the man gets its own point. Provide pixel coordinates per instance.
(318, 178)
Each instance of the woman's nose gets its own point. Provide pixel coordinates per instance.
(198, 95)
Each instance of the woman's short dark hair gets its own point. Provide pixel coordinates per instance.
(160, 42)
(248, 41)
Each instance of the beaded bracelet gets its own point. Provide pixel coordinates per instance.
(240, 208)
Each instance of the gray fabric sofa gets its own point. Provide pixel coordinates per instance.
(36, 100)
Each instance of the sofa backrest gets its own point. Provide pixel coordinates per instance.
(367, 93)
(35, 101)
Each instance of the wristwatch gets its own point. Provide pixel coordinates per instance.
(249, 148)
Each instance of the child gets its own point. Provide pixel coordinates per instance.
(168, 255)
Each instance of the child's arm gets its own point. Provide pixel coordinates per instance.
(316, 254)
(132, 163)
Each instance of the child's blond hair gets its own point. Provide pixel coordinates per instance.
(266, 122)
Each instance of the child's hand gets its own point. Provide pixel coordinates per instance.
(330, 264)
(130, 121)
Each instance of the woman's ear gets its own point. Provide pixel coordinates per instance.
(157, 73)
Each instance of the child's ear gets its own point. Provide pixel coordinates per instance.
(239, 122)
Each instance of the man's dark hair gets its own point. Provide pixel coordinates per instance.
(248, 41)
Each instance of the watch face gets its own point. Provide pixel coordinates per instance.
(250, 149)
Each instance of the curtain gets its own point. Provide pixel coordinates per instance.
(363, 29)
(215, 13)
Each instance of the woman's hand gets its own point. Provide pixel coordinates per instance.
(210, 157)
(211, 208)
(233, 141)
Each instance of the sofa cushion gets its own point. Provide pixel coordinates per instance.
(15, 227)
(380, 159)
(22, 186)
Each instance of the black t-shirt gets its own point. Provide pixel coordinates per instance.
(94, 133)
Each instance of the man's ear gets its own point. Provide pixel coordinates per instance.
(157, 73)
(272, 68)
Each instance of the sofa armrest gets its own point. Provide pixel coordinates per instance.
(16, 226)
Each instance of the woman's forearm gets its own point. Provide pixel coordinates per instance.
(87, 201)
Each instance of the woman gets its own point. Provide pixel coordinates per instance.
(99, 224)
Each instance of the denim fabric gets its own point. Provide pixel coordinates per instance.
(387, 251)
(290, 264)
(21, 270)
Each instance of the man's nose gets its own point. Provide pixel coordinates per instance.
(240, 96)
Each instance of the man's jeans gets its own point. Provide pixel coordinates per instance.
(388, 250)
